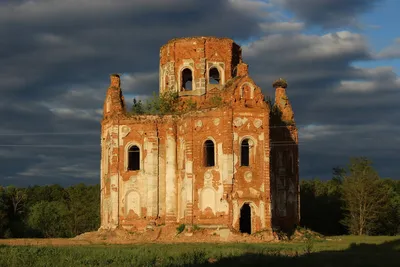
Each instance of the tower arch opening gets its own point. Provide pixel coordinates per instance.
(187, 79)
(214, 76)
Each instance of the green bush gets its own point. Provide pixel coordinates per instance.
(163, 104)
(191, 105)
(50, 219)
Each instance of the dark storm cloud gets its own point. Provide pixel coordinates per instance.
(60, 42)
(42, 145)
(56, 57)
(49, 165)
(341, 110)
(139, 84)
(316, 63)
(328, 13)
(23, 116)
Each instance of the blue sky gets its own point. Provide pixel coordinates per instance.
(381, 31)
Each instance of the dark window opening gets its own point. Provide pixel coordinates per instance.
(245, 153)
(187, 79)
(214, 77)
(133, 158)
(245, 219)
(209, 153)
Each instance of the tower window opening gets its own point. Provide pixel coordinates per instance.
(245, 153)
(134, 158)
(214, 77)
(209, 153)
(187, 79)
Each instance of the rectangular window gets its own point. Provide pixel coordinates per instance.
(209, 153)
(245, 153)
(133, 158)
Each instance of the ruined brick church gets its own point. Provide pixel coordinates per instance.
(232, 162)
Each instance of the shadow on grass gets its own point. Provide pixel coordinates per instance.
(233, 254)
(386, 254)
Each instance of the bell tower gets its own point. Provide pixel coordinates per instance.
(192, 66)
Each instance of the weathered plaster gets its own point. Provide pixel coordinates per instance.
(173, 185)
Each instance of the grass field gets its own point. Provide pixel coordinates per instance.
(334, 251)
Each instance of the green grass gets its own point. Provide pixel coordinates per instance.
(338, 251)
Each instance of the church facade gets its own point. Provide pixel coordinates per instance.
(231, 162)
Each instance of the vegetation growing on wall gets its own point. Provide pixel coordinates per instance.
(163, 104)
(169, 103)
(216, 101)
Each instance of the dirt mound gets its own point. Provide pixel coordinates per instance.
(170, 234)
(300, 234)
(152, 234)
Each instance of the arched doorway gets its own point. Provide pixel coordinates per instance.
(245, 219)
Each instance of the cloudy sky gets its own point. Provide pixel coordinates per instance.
(341, 59)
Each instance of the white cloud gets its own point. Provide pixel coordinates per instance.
(258, 8)
(81, 114)
(302, 47)
(357, 86)
(390, 52)
(312, 132)
(61, 166)
(270, 27)
(333, 44)
(53, 39)
(377, 79)
(137, 83)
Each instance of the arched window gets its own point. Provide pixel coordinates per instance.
(213, 76)
(245, 153)
(187, 79)
(133, 158)
(209, 153)
(246, 91)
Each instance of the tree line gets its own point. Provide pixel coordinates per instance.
(354, 201)
(49, 211)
